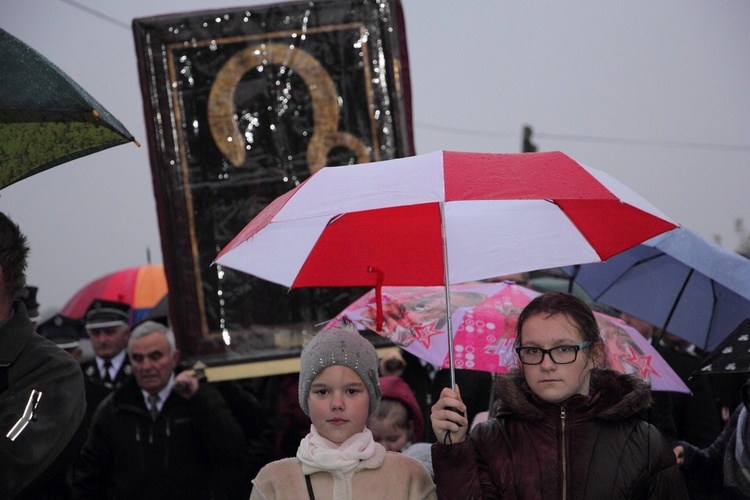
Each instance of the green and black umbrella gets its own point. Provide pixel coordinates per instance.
(45, 117)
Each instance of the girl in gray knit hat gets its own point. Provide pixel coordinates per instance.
(338, 459)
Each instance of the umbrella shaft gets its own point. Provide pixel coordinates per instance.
(447, 280)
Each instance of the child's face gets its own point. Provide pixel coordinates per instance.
(339, 403)
(386, 432)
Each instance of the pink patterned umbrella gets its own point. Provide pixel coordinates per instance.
(484, 317)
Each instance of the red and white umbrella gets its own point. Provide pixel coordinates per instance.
(441, 218)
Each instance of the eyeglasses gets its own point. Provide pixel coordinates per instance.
(560, 355)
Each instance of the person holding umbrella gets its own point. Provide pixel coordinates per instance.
(564, 426)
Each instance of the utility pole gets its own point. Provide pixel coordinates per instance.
(528, 146)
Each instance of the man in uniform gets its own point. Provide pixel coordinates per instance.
(107, 326)
(65, 332)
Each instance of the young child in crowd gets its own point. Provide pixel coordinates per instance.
(397, 424)
(398, 418)
(339, 459)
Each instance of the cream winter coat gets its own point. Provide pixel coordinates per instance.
(384, 475)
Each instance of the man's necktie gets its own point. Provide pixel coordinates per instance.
(107, 376)
(153, 408)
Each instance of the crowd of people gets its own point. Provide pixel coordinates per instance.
(130, 423)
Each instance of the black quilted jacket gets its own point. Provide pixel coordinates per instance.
(588, 447)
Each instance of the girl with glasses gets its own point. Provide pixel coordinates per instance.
(565, 425)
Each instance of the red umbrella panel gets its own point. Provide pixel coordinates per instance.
(142, 287)
(484, 318)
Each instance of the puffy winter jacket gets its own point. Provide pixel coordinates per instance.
(588, 447)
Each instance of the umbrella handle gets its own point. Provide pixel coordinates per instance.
(378, 297)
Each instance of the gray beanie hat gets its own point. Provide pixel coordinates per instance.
(340, 345)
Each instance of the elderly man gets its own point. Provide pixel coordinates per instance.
(161, 434)
(107, 325)
(42, 404)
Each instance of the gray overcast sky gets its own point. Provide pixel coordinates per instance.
(654, 93)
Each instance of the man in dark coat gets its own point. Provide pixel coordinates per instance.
(721, 470)
(42, 404)
(161, 434)
(107, 325)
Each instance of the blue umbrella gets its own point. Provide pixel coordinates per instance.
(679, 281)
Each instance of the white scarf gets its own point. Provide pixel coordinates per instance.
(317, 454)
